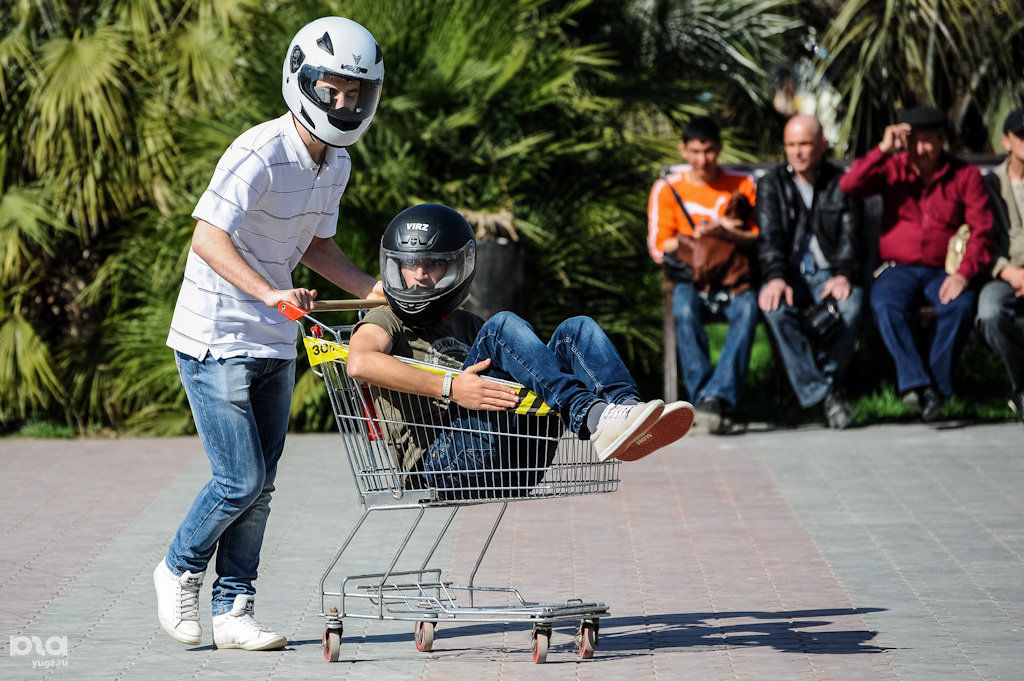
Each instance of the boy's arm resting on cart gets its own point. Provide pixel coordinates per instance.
(370, 360)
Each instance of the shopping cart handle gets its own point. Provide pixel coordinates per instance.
(294, 312)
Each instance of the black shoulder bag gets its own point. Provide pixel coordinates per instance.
(675, 269)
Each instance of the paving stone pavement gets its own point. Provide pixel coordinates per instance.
(888, 552)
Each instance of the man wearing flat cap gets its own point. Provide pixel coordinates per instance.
(1003, 298)
(927, 195)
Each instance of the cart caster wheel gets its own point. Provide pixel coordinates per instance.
(541, 639)
(331, 644)
(586, 639)
(424, 636)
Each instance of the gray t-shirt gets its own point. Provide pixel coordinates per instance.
(806, 190)
(408, 420)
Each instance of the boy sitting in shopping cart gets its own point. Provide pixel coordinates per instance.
(427, 261)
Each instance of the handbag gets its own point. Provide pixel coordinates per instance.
(957, 248)
(710, 262)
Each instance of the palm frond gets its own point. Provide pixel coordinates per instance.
(143, 17)
(28, 378)
(78, 97)
(16, 63)
(27, 229)
(204, 64)
(921, 51)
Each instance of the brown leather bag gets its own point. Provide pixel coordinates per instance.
(718, 264)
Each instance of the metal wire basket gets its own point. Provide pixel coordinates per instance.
(411, 452)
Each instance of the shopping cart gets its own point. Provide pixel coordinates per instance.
(395, 444)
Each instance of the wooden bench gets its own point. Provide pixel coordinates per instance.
(872, 218)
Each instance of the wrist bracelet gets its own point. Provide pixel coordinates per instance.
(446, 387)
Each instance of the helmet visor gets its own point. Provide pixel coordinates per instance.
(347, 98)
(413, 277)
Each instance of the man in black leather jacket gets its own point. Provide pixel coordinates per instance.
(810, 249)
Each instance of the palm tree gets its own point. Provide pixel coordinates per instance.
(963, 56)
(93, 97)
(527, 108)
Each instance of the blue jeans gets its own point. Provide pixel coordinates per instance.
(578, 367)
(813, 371)
(896, 292)
(997, 308)
(241, 408)
(726, 380)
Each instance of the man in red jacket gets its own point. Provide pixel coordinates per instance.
(926, 195)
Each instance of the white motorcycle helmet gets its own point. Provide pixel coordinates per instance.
(332, 78)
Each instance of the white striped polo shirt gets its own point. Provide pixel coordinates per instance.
(269, 195)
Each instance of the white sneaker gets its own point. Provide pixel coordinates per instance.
(177, 603)
(621, 424)
(239, 629)
(674, 422)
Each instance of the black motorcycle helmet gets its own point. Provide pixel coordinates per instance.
(427, 237)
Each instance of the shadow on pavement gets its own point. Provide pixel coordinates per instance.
(789, 632)
(786, 631)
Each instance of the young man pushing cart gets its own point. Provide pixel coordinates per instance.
(272, 203)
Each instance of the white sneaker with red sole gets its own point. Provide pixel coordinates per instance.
(620, 424)
(675, 422)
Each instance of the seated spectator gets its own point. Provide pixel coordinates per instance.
(428, 261)
(700, 225)
(810, 251)
(927, 194)
(1003, 298)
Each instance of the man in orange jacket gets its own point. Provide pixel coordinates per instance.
(692, 205)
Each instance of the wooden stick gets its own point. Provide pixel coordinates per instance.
(349, 304)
